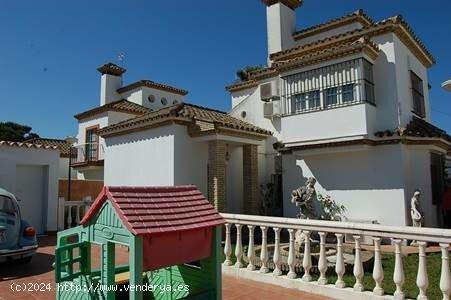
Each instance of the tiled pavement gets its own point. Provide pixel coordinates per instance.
(40, 271)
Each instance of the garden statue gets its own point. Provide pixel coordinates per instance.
(415, 211)
(304, 197)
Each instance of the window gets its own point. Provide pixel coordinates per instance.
(331, 96)
(417, 95)
(164, 101)
(7, 206)
(347, 93)
(175, 101)
(151, 98)
(306, 101)
(314, 99)
(92, 144)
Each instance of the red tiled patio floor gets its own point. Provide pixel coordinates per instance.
(40, 271)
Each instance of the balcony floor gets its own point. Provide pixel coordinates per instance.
(40, 271)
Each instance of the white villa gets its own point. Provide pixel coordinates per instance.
(345, 102)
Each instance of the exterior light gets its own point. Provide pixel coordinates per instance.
(447, 85)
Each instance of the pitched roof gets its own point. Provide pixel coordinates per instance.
(188, 114)
(309, 56)
(62, 145)
(111, 69)
(357, 16)
(417, 128)
(395, 24)
(28, 145)
(154, 85)
(122, 105)
(156, 210)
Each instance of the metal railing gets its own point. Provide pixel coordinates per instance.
(88, 152)
(278, 257)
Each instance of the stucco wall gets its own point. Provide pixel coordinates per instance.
(140, 96)
(368, 181)
(11, 157)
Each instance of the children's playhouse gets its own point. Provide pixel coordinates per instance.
(173, 239)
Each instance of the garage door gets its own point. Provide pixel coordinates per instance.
(30, 189)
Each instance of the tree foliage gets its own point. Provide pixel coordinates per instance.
(10, 131)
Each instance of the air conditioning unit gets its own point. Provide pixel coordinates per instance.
(272, 109)
(269, 91)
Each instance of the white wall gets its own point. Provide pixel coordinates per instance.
(63, 169)
(144, 158)
(347, 121)
(108, 88)
(280, 24)
(11, 157)
(140, 96)
(368, 181)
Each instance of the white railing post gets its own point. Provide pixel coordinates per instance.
(422, 275)
(238, 247)
(69, 215)
(398, 275)
(322, 262)
(250, 249)
(307, 260)
(276, 257)
(445, 277)
(358, 266)
(227, 246)
(87, 201)
(291, 258)
(264, 251)
(77, 215)
(378, 271)
(339, 264)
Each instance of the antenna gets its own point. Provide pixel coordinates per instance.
(121, 60)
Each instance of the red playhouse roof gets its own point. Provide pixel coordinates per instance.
(176, 223)
(155, 210)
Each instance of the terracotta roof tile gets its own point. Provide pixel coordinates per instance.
(28, 145)
(293, 4)
(111, 69)
(119, 105)
(187, 114)
(62, 145)
(154, 85)
(420, 128)
(145, 210)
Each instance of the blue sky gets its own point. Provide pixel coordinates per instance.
(50, 49)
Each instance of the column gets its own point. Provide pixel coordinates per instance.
(250, 180)
(217, 174)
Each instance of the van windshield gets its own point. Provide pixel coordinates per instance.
(7, 205)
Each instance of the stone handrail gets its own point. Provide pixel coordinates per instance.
(71, 212)
(397, 235)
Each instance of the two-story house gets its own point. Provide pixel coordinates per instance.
(118, 102)
(347, 102)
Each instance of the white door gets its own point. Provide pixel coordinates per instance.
(30, 190)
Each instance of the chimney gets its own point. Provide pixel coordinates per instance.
(111, 80)
(281, 23)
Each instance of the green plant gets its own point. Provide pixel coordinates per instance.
(243, 74)
(330, 210)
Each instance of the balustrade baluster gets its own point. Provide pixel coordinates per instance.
(340, 264)
(276, 257)
(378, 272)
(422, 275)
(251, 249)
(322, 262)
(77, 215)
(358, 266)
(69, 216)
(445, 277)
(264, 251)
(227, 246)
(238, 247)
(291, 258)
(307, 260)
(398, 275)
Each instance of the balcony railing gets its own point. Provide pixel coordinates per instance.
(280, 256)
(85, 153)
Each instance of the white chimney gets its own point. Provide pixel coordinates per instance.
(281, 23)
(111, 80)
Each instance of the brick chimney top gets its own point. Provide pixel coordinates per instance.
(111, 69)
(293, 4)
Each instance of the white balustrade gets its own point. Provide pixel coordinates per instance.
(228, 246)
(378, 272)
(307, 260)
(238, 247)
(422, 275)
(361, 232)
(264, 251)
(250, 249)
(276, 258)
(398, 274)
(70, 213)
